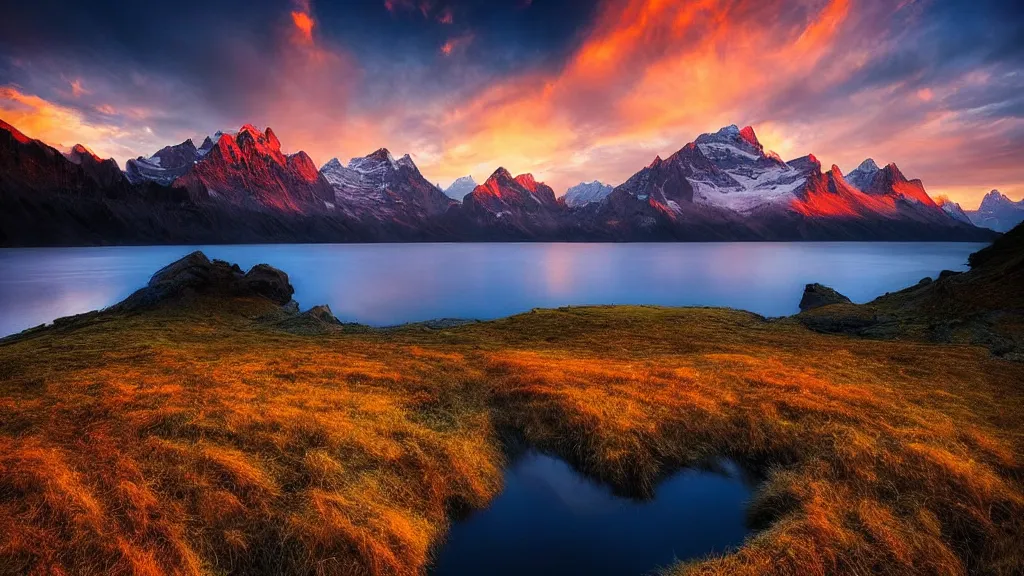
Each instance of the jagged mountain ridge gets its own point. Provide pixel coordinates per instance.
(728, 174)
(378, 186)
(166, 165)
(249, 169)
(512, 207)
(722, 186)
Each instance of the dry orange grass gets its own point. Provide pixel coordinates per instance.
(208, 443)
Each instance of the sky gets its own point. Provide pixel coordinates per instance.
(570, 91)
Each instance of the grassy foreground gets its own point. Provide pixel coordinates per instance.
(208, 440)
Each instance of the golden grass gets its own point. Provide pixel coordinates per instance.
(209, 443)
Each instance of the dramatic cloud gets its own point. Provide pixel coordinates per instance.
(570, 91)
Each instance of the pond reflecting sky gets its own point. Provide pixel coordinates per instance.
(549, 519)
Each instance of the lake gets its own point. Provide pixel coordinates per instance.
(386, 284)
(549, 519)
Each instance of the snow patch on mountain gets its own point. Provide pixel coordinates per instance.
(752, 177)
(359, 182)
(586, 192)
(460, 187)
(166, 165)
(772, 187)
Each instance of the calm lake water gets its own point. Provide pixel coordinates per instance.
(385, 284)
(551, 520)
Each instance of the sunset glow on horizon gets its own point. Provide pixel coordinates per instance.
(567, 91)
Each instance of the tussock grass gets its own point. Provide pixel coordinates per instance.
(208, 442)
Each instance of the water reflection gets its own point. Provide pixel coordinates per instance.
(394, 283)
(549, 519)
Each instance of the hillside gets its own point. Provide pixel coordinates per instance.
(983, 306)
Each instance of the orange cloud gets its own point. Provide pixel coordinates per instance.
(57, 125)
(304, 24)
(77, 89)
(651, 75)
(456, 44)
(678, 68)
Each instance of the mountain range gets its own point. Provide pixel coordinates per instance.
(240, 187)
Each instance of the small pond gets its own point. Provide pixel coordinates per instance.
(549, 519)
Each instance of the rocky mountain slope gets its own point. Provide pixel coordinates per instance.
(983, 306)
(378, 187)
(49, 199)
(517, 208)
(728, 180)
(249, 169)
(166, 165)
(953, 209)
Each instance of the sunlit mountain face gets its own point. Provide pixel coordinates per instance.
(566, 91)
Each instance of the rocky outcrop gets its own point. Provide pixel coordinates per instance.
(818, 295)
(983, 306)
(316, 320)
(196, 275)
(270, 282)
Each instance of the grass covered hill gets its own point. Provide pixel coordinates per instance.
(204, 426)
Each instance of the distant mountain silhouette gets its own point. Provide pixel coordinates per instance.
(998, 212)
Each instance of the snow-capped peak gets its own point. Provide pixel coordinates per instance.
(406, 161)
(460, 187)
(996, 199)
(380, 155)
(862, 176)
(868, 165)
(586, 193)
(730, 144)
